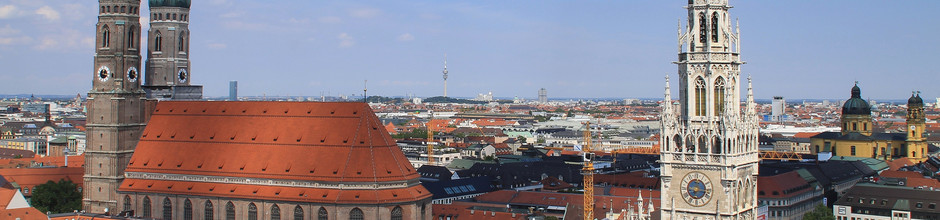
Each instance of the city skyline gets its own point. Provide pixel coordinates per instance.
(610, 49)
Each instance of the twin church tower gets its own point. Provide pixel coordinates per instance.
(117, 101)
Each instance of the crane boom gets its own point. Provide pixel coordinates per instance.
(587, 171)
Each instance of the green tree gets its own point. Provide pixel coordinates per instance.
(56, 197)
(821, 213)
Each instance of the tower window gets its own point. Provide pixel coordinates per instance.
(700, 97)
(174, 16)
(719, 96)
(158, 42)
(109, 9)
(702, 28)
(105, 36)
(715, 27)
(123, 9)
(130, 37)
(182, 42)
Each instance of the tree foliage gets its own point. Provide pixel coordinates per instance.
(821, 213)
(57, 197)
(416, 133)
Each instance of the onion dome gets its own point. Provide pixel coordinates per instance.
(915, 101)
(856, 105)
(170, 3)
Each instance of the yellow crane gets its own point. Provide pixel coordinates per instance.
(587, 171)
(430, 138)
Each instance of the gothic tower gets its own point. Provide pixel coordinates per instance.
(168, 72)
(115, 103)
(709, 151)
(916, 125)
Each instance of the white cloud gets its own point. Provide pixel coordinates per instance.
(48, 13)
(345, 40)
(47, 43)
(218, 46)
(7, 31)
(330, 20)
(406, 37)
(365, 13)
(15, 40)
(8, 11)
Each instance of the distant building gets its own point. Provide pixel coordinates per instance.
(543, 95)
(778, 108)
(36, 108)
(877, 202)
(233, 90)
(857, 138)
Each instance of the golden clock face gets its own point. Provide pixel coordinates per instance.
(696, 189)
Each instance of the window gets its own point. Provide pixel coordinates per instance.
(146, 207)
(167, 209)
(396, 213)
(158, 42)
(275, 212)
(26, 190)
(182, 41)
(127, 203)
(355, 214)
(105, 36)
(700, 97)
(853, 150)
(130, 38)
(702, 28)
(715, 27)
(188, 210)
(209, 212)
(854, 126)
(719, 96)
(230, 211)
(299, 213)
(252, 211)
(424, 210)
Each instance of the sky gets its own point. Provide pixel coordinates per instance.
(799, 49)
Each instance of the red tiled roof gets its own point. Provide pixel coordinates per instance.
(782, 185)
(900, 174)
(307, 141)
(28, 213)
(31, 177)
(279, 193)
(805, 134)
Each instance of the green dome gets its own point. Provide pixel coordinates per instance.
(856, 105)
(915, 101)
(170, 3)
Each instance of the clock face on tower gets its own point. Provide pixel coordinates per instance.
(181, 75)
(696, 189)
(103, 73)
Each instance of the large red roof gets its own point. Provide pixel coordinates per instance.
(298, 141)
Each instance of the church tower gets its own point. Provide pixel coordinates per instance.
(168, 72)
(115, 103)
(916, 125)
(709, 146)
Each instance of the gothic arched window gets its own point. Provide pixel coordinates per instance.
(299, 212)
(396, 213)
(252, 211)
(158, 42)
(130, 37)
(677, 140)
(719, 96)
(275, 212)
(702, 28)
(167, 209)
(356, 214)
(715, 27)
(209, 212)
(182, 41)
(702, 147)
(105, 36)
(700, 97)
(322, 214)
(146, 207)
(188, 210)
(230, 211)
(127, 203)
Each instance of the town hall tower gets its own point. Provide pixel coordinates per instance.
(709, 146)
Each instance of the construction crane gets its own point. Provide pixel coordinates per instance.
(587, 171)
(430, 138)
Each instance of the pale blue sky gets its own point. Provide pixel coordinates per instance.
(797, 49)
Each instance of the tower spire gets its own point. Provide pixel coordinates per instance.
(750, 98)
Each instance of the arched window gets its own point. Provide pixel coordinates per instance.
(105, 36)
(299, 212)
(716, 146)
(252, 211)
(702, 148)
(159, 16)
(102, 9)
(109, 9)
(174, 16)
(209, 212)
(158, 42)
(356, 214)
(700, 97)
(182, 41)
(188, 210)
(127, 203)
(168, 16)
(702, 28)
(275, 212)
(719, 96)
(146, 207)
(715, 27)
(167, 209)
(230, 211)
(396, 213)
(322, 214)
(130, 37)
(678, 142)
(123, 9)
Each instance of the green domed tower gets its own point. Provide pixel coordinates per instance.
(168, 65)
(856, 114)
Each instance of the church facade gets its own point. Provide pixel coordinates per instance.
(709, 153)
(858, 138)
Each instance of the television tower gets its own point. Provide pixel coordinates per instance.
(445, 75)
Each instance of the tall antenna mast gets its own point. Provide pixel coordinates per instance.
(365, 88)
(445, 75)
